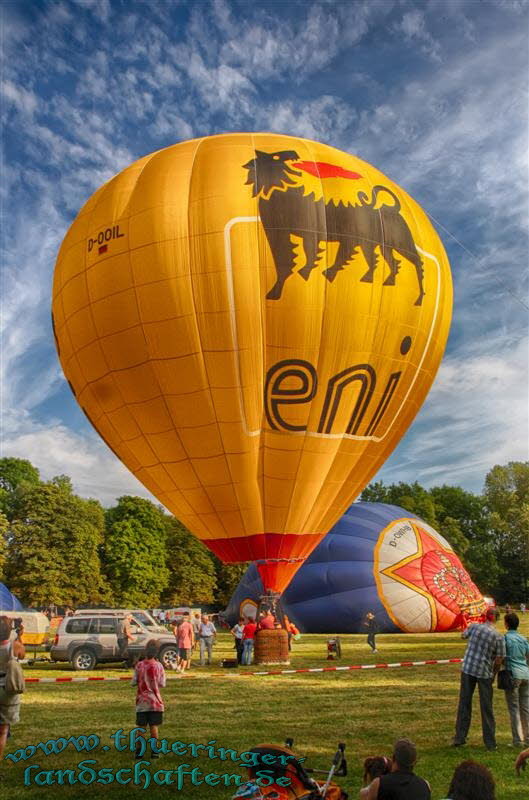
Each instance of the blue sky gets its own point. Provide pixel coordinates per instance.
(434, 94)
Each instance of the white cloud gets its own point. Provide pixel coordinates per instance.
(323, 118)
(414, 27)
(25, 318)
(24, 100)
(79, 105)
(476, 415)
(101, 9)
(55, 450)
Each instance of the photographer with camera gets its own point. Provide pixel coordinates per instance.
(10, 648)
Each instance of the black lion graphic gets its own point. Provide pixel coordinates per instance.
(287, 208)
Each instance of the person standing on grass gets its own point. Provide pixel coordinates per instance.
(236, 632)
(207, 634)
(291, 630)
(400, 783)
(370, 624)
(9, 703)
(516, 658)
(185, 639)
(248, 637)
(149, 676)
(483, 658)
(125, 636)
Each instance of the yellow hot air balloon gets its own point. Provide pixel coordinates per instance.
(251, 322)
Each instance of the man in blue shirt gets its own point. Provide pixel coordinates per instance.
(517, 653)
(483, 658)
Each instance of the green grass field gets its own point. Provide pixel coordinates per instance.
(366, 709)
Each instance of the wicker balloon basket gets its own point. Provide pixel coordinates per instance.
(271, 647)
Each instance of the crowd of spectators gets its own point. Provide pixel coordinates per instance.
(395, 779)
(488, 654)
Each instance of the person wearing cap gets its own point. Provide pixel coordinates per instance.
(483, 658)
(125, 636)
(400, 783)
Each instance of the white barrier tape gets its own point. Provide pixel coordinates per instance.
(350, 668)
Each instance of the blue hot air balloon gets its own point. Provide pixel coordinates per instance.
(377, 558)
(8, 601)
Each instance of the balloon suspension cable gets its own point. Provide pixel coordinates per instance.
(498, 279)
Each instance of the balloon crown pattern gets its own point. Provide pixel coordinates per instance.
(289, 206)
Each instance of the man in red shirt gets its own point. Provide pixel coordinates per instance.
(149, 676)
(185, 639)
(267, 621)
(248, 636)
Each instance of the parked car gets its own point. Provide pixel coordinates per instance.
(140, 615)
(88, 639)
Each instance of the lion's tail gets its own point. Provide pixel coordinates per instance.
(362, 196)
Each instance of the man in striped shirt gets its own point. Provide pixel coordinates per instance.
(483, 658)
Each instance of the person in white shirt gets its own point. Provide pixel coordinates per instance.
(207, 634)
(236, 632)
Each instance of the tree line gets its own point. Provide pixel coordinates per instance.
(58, 547)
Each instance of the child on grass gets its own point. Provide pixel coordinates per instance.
(149, 676)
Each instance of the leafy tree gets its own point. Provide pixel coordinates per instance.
(451, 530)
(228, 577)
(507, 499)
(14, 471)
(134, 553)
(63, 482)
(53, 548)
(5, 499)
(16, 475)
(467, 508)
(375, 493)
(192, 572)
(411, 496)
(473, 542)
(4, 525)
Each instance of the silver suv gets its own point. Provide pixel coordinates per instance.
(85, 640)
(139, 614)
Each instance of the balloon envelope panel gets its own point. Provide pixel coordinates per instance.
(251, 322)
(8, 601)
(377, 558)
